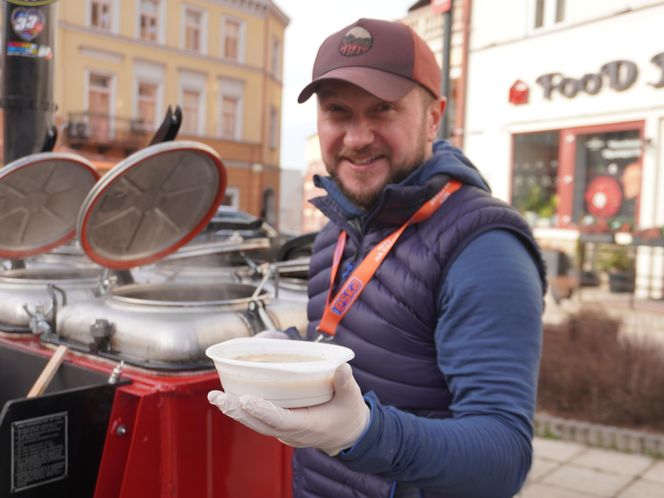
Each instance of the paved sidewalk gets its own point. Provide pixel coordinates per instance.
(571, 470)
(566, 469)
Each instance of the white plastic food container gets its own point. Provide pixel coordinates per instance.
(289, 373)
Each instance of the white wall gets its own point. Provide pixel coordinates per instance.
(496, 22)
(290, 202)
(573, 51)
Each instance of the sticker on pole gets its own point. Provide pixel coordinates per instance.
(27, 23)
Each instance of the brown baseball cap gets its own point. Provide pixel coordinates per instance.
(387, 59)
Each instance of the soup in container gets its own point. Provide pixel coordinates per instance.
(289, 373)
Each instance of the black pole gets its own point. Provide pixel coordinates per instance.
(443, 130)
(27, 76)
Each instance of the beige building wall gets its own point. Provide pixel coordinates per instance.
(312, 218)
(251, 156)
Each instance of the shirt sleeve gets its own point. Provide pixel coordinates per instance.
(488, 341)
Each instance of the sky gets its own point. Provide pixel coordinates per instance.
(311, 21)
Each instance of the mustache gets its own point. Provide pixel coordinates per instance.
(361, 154)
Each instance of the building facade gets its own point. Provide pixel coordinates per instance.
(565, 118)
(429, 24)
(120, 64)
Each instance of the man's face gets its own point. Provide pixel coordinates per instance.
(367, 143)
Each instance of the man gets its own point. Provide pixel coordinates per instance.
(446, 326)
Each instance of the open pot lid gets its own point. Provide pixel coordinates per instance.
(151, 203)
(40, 197)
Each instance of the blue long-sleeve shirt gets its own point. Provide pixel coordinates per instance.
(488, 340)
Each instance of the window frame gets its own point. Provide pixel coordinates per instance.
(161, 22)
(114, 6)
(549, 14)
(273, 127)
(276, 54)
(568, 169)
(233, 89)
(234, 194)
(241, 40)
(191, 81)
(145, 72)
(155, 103)
(203, 33)
(88, 73)
(87, 87)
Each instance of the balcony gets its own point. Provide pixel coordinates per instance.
(104, 132)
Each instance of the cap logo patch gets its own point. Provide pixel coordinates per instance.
(356, 41)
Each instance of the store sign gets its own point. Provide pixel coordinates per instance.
(618, 75)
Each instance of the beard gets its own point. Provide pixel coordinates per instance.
(368, 198)
(398, 172)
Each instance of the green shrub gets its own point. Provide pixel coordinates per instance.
(615, 259)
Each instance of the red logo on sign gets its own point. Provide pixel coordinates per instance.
(519, 93)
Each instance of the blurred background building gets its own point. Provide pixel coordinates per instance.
(560, 104)
(120, 64)
(565, 117)
(428, 23)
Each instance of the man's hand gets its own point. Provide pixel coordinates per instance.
(332, 426)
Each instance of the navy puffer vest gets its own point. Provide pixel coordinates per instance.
(391, 325)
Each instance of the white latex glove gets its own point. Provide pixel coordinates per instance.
(332, 426)
(271, 334)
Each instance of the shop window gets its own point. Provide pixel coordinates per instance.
(535, 176)
(596, 186)
(607, 182)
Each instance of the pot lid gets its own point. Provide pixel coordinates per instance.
(40, 197)
(151, 203)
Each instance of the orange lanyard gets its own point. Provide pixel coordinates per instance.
(336, 309)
